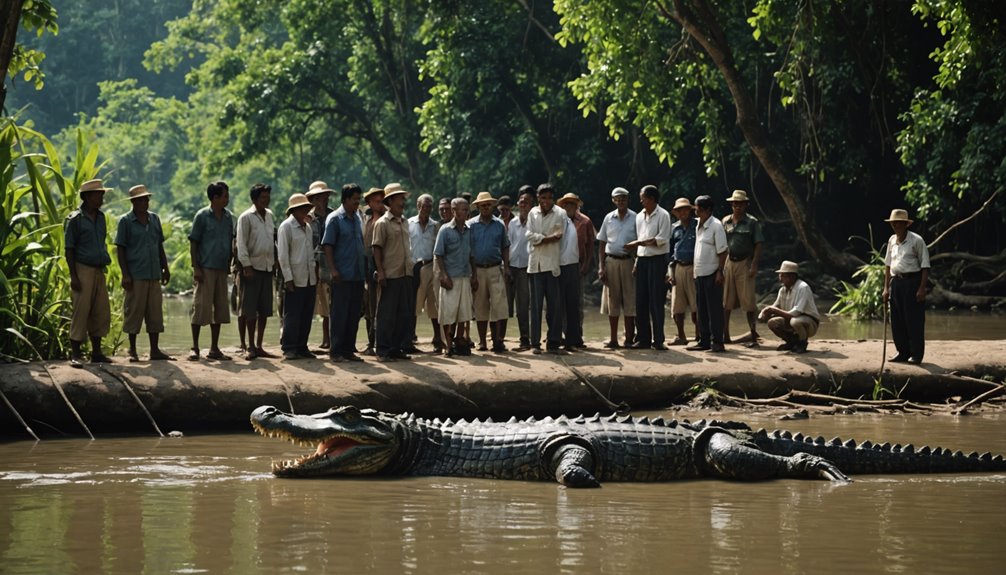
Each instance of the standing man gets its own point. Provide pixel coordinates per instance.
(454, 261)
(84, 234)
(295, 252)
(519, 292)
(793, 317)
(139, 242)
(906, 273)
(393, 261)
(545, 228)
(211, 244)
(744, 241)
(679, 270)
(653, 235)
(374, 198)
(618, 296)
(491, 254)
(257, 256)
(585, 234)
(422, 237)
(569, 288)
(707, 269)
(318, 194)
(346, 262)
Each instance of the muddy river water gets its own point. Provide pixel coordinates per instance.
(207, 504)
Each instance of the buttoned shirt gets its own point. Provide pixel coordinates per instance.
(454, 245)
(907, 257)
(86, 237)
(656, 226)
(585, 233)
(317, 233)
(344, 232)
(256, 235)
(296, 252)
(142, 243)
(422, 239)
(683, 240)
(517, 234)
(544, 257)
(391, 234)
(710, 242)
(489, 239)
(615, 232)
(742, 236)
(569, 245)
(797, 300)
(214, 237)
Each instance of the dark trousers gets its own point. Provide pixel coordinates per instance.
(908, 317)
(394, 306)
(298, 311)
(344, 316)
(651, 294)
(572, 303)
(545, 297)
(410, 335)
(709, 301)
(519, 296)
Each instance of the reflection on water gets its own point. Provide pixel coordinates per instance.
(208, 504)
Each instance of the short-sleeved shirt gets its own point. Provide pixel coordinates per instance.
(585, 233)
(569, 245)
(391, 234)
(489, 239)
(257, 240)
(296, 254)
(544, 257)
(909, 256)
(710, 242)
(797, 300)
(517, 233)
(742, 237)
(615, 232)
(142, 243)
(86, 237)
(454, 245)
(344, 232)
(422, 239)
(215, 238)
(653, 226)
(683, 240)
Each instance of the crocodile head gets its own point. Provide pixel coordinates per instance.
(348, 441)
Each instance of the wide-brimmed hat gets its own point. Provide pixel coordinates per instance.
(570, 197)
(682, 203)
(296, 201)
(738, 196)
(482, 198)
(788, 267)
(899, 216)
(92, 186)
(392, 190)
(318, 187)
(371, 192)
(138, 191)
(619, 192)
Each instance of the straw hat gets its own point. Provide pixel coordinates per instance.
(484, 197)
(899, 216)
(296, 201)
(371, 192)
(619, 192)
(138, 191)
(570, 197)
(92, 186)
(392, 190)
(788, 267)
(682, 203)
(318, 187)
(738, 196)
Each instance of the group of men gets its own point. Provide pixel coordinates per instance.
(366, 259)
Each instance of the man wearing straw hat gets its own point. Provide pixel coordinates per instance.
(618, 296)
(679, 268)
(393, 262)
(87, 256)
(295, 252)
(585, 234)
(139, 242)
(491, 254)
(345, 260)
(793, 317)
(256, 249)
(374, 199)
(906, 273)
(318, 194)
(745, 239)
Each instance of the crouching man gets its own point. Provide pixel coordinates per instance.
(793, 317)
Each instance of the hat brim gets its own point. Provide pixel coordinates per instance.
(294, 207)
(390, 195)
(102, 190)
(494, 202)
(689, 207)
(909, 222)
(316, 191)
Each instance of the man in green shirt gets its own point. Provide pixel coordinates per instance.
(211, 244)
(744, 241)
(87, 256)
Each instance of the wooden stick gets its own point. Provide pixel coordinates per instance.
(965, 220)
(62, 393)
(136, 397)
(18, 416)
(979, 399)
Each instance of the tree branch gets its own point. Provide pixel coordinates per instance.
(965, 220)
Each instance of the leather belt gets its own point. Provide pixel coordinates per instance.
(617, 257)
(908, 275)
(495, 265)
(733, 259)
(681, 263)
(424, 262)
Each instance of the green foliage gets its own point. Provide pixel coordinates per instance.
(38, 16)
(863, 299)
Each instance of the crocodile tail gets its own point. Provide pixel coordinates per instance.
(875, 458)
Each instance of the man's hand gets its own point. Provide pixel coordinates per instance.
(165, 276)
(248, 271)
(446, 282)
(381, 279)
(74, 282)
(475, 283)
(920, 296)
(885, 296)
(197, 275)
(336, 276)
(127, 283)
(602, 276)
(752, 270)
(288, 286)
(719, 277)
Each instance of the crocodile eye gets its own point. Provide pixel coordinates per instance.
(350, 413)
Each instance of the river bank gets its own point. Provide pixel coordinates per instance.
(219, 395)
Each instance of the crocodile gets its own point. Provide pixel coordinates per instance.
(584, 451)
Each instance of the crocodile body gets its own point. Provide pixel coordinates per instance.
(583, 452)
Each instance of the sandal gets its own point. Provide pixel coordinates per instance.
(133, 358)
(679, 341)
(77, 362)
(194, 356)
(218, 355)
(161, 356)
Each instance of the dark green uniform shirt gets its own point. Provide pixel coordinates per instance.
(215, 238)
(742, 237)
(86, 237)
(142, 243)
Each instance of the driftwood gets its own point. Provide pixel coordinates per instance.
(827, 404)
(988, 394)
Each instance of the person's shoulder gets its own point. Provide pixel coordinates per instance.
(414, 219)
(751, 217)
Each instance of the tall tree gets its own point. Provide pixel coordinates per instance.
(15, 58)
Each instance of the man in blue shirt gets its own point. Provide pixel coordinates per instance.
(679, 269)
(211, 245)
(491, 253)
(343, 245)
(87, 256)
(453, 255)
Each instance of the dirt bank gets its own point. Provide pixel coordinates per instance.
(219, 395)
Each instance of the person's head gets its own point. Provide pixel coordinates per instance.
(218, 194)
(738, 202)
(140, 198)
(260, 196)
(459, 207)
(394, 198)
(467, 196)
(525, 201)
(505, 207)
(350, 198)
(374, 199)
(682, 209)
(444, 209)
(704, 207)
(649, 196)
(485, 203)
(92, 194)
(571, 203)
(318, 194)
(546, 197)
(424, 206)
(299, 207)
(620, 197)
(900, 222)
(788, 273)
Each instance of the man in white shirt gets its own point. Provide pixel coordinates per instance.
(256, 254)
(295, 250)
(653, 235)
(422, 237)
(618, 297)
(569, 287)
(905, 277)
(793, 317)
(707, 266)
(546, 225)
(520, 291)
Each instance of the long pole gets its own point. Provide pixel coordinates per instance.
(17, 415)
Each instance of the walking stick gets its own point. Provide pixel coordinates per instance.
(883, 357)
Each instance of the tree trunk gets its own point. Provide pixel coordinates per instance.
(11, 10)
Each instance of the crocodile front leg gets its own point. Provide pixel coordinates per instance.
(731, 458)
(573, 466)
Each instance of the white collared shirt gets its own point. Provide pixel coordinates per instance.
(296, 253)
(544, 257)
(615, 232)
(656, 226)
(907, 257)
(517, 233)
(256, 247)
(569, 249)
(421, 240)
(797, 300)
(710, 242)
